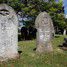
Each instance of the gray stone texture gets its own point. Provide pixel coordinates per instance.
(45, 32)
(8, 33)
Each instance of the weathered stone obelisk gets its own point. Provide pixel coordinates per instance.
(8, 33)
(45, 32)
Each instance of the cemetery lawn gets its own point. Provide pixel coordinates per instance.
(29, 58)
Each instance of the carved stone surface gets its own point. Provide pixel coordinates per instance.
(45, 32)
(8, 33)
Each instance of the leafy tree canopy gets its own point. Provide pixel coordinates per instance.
(31, 8)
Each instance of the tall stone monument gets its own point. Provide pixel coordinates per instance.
(8, 33)
(45, 32)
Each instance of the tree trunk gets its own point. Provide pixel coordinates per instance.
(64, 32)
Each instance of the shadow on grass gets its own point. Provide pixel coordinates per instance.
(63, 47)
(34, 49)
(56, 36)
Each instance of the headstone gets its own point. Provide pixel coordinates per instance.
(8, 33)
(45, 32)
(64, 45)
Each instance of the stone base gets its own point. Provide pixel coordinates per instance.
(44, 48)
(9, 57)
(64, 48)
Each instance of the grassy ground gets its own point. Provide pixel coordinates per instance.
(30, 58)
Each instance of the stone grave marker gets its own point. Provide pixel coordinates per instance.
(8, 33)
(45, 32)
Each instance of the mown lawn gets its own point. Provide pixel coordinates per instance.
(30, 58)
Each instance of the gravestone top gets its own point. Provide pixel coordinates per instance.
(8, 13)
(44, 24)
(45, 29)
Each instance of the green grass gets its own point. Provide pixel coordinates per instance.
(30, 58)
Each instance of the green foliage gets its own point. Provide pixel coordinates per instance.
(57, 15)
(16, 4)
(31, 8)
(54, 9)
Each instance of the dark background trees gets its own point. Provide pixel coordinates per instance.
(31, 8)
